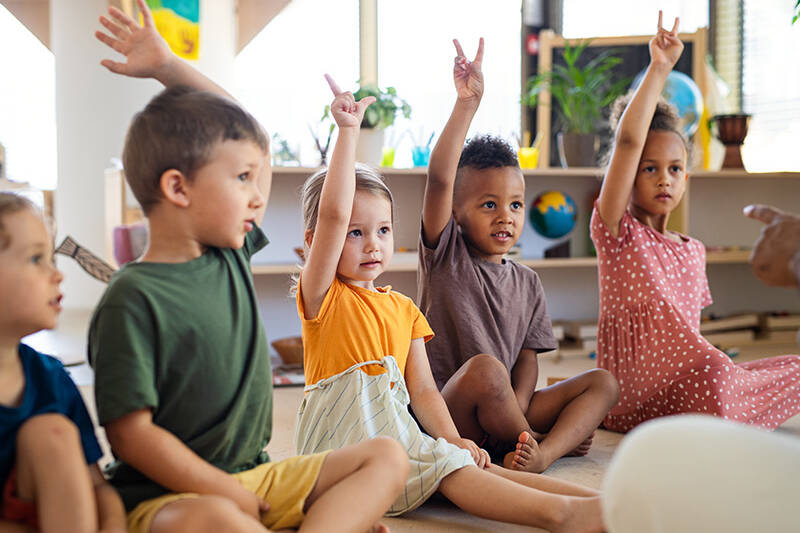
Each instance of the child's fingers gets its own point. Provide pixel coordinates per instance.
(365, 102)
(660, 19)
(479, 54)
(332, 84)
(113, 66)
(147, 15)
(459, 50)
(764, 213)
(123, 18)
(109, 41)
(116, 29)
(674, 30)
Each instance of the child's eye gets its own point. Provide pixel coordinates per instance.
(676, 168)
(243, 176)
(516, 205)
(384, 230)
(649, 168)
(36, 259)
(355, 233)
(489, 204)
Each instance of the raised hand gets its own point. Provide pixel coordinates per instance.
(777, 245)
(345, 110)
(665, 46)
(145, 50)
(467, 75)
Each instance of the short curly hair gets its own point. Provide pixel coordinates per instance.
(665, 118)
(487, 151)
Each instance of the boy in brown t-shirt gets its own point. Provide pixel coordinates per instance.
(488, 312)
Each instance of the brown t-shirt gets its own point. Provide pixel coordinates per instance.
(475, 306)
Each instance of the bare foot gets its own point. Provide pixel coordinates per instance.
(583, 515)
(378, 528)
(527, 457)
(582, 448)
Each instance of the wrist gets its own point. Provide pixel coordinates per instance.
(468, 104)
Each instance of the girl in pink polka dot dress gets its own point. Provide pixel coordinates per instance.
(653, 282)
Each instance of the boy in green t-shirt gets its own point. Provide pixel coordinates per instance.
(182, 373)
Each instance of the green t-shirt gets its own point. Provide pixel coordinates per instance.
(186, 341)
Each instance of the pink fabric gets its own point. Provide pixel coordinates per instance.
(652, 290)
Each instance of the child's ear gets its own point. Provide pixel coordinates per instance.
(174, 187)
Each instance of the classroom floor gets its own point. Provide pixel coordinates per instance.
(439, 516)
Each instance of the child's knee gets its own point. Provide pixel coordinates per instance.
(206, 514)
(605, 382)
(486, 373)
(392, 456)
(48, 435)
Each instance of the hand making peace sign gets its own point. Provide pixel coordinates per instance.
(665, 46)
(467, 75)
(345, 110)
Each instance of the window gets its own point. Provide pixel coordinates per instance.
(415, 55)
(279, 74)
(590, 18)
(27, 105)
(771, 86)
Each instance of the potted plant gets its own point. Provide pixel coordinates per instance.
(582, 92)
(378, 116)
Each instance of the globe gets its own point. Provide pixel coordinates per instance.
(553, 214)
(681, 91)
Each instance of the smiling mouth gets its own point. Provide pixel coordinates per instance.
(502, 235)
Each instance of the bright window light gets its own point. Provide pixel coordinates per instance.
(27, 105)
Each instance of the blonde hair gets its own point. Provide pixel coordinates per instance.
(11, 203)
(368, 180)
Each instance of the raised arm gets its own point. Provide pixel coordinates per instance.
(438, 202)
(147, 54)
(335, 203)
(631, 134)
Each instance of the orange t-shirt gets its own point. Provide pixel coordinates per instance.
(356, 325)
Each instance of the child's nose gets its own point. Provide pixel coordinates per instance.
(58, 276)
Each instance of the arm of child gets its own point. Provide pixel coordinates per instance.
(163, 458)
(147, 55)
(631, 134)
(524, 376)
(335, 203)
(110, 511)
(438, 202)
(429, 406)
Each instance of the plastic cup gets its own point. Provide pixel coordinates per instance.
(388, 157)
(421, 155)
(528, 157)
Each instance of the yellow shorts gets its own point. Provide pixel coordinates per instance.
(285, 485)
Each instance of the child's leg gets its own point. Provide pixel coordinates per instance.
(543, 483)
(568, 412)
(204, 514)
(483, 494)
(481, 400)
(356, 486)
(52, 472)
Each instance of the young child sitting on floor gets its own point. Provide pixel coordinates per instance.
(46, 434)
(489, 312)
(182, 373)
(365, 360)
(653, 281)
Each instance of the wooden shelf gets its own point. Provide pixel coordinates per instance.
(407, 262)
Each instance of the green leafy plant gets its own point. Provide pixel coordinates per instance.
(581, 92)
(382, 113)
(796, 12)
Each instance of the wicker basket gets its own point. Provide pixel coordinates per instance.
(290, 349)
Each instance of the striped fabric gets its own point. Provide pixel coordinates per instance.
(353, 406)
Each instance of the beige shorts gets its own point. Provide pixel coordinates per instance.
(285, 485)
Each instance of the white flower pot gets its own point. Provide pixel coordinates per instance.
(370, 146)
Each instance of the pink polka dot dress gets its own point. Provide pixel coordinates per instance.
(651, 292)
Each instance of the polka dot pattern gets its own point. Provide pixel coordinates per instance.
(652, 290)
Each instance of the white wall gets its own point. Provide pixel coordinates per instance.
(93, 110)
